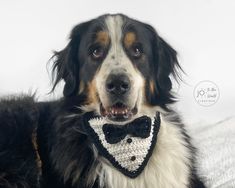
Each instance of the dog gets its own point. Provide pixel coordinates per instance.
(119, 70)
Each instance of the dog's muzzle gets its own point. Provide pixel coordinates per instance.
(118, 87)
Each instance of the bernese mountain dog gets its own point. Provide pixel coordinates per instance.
(113, 127)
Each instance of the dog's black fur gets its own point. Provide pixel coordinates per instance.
(65, 152)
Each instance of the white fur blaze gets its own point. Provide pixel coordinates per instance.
(116, 62)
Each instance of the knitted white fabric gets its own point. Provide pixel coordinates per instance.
(129, 155)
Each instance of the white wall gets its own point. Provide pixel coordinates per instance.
(202, 31)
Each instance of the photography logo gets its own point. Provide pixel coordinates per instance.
(206, 93)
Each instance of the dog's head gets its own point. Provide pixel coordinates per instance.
(121, 65)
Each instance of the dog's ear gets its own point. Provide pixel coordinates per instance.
(66, 62)
(165, 65)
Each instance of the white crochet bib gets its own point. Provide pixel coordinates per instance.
(131, 154)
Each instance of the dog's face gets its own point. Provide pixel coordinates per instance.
(119, 64)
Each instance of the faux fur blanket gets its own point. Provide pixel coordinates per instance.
(216, 143)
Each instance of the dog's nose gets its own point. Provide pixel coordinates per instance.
(117, 84)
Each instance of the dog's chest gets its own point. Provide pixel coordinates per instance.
(168, 166)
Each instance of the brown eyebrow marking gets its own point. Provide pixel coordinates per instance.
(102, 37)
(129, 39)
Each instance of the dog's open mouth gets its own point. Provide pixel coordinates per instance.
(118, 112)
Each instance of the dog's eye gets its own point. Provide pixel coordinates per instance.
(137, 51)
(97, 52)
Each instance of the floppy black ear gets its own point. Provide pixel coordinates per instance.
(165, 64)
(66, 63)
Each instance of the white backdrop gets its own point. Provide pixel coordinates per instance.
(202, 31)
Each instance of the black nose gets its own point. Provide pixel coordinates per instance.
(117, 84)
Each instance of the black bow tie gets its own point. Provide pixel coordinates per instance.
(140, 127)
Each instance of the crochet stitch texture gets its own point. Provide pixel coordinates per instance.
(131, 154)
